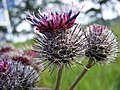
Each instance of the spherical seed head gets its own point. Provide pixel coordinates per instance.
(60, 47)
(53, 21)
(101, 44)
(16, 70)
(18, 76)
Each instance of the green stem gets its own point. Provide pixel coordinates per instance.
(88, 66)
(58, 81)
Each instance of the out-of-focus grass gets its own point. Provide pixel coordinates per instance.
(116, 30)
(24, 44)
(98, 78)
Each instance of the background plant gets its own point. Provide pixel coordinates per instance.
(16, 70)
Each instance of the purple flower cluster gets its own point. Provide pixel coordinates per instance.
(53, 22)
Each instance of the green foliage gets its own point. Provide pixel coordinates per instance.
(98, 78)
(116, 30)
(23, 44)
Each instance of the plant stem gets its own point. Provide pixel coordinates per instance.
(88, 66)
(58, 81)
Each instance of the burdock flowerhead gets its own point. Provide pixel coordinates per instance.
(16, 75)
(58, 39)
(17, 70)
(101, 45)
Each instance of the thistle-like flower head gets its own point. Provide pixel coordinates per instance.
(53, 21)
(17, 71)
(16, 76)
(101, 44)
(58, 38)
(56, 49)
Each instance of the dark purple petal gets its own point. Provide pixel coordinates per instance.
(60, 22)
(72, 18)
(56, 13)
(43, 24)
(36, 21)
(69, 14)
(52, 22)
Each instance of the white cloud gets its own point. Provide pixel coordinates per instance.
(24, 26)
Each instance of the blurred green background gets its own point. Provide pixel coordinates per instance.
(106, 12)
